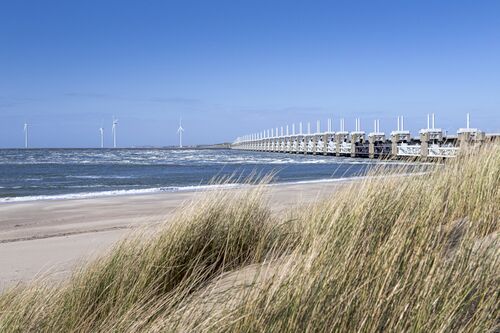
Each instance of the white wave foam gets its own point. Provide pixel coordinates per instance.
(77, 195)
(88, 195)
(174, 157)
(99, 177)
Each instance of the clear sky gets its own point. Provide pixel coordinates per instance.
(233, 67)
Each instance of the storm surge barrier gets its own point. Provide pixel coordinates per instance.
(430, 143)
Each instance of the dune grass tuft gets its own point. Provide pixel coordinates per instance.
(387, 253)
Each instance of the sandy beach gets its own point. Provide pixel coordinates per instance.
(48, 238)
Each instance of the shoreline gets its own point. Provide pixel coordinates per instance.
(49, 237)
(159, 190)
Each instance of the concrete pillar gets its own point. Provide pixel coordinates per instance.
(394, 145)
(424, 145)
(339, 139)
(371, 147)
(396, 138)
(325, 144)
(357, 138)
(480, 137)
(464, 139)
(337, 145)
(315, 144)
(354, 141)
(467, 138)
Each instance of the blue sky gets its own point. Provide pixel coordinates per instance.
(233, 67)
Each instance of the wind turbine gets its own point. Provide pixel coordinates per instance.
(113, 129)
(180, 130)
(26, 129)
(101, 131)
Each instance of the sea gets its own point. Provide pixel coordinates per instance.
(47, 174)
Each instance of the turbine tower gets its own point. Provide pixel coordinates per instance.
(26, 129)
(180, 130)
(101, 131)
(115, 123)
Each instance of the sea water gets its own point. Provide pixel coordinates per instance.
(41, 174)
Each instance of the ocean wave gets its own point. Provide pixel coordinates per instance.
(208, 161)
(88, 195)
(98, 177)
(166, 157)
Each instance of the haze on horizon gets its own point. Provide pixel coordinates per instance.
(234, 67)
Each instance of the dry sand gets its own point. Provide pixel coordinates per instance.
(48, 238)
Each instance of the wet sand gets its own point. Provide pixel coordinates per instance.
(48, 238)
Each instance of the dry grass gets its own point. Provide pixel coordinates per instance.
(386, 254)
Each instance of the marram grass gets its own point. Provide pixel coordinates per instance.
(398, 254)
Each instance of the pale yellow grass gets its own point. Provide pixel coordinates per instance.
(416, 254)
